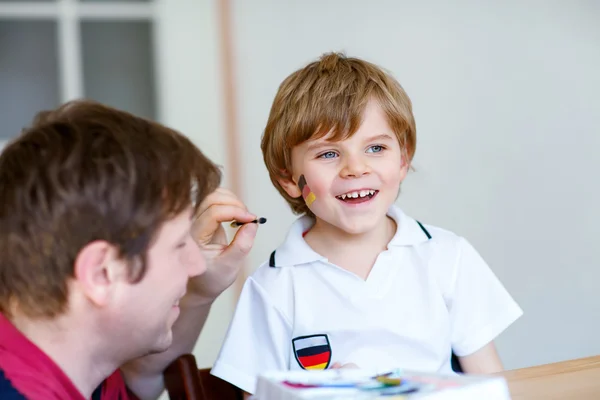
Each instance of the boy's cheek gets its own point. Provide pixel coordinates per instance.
(306, 189)
(319, 181)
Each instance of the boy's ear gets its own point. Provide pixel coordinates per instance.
(289, 185)
(404, 170)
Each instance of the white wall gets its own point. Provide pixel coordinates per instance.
(506, 101)
(190, 95)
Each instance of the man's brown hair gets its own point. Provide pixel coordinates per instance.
(330, 96)
(81, 173)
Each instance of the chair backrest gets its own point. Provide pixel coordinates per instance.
(456, 367)
(184, 381)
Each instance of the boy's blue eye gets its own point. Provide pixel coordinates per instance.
(375, 149)
(329, 154)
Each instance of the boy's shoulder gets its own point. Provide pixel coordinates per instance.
(439, 237)
(422, 236)
(429, 241)
(436, 252)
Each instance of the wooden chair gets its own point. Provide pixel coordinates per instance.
(184, 381)
(456, 367)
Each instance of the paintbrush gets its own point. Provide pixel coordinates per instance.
(260, 220)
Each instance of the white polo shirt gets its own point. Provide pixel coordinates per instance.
(430, 293)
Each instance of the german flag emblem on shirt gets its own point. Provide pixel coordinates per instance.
(312, 352)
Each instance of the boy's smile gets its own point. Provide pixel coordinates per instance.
(354, 180)
(357, 196)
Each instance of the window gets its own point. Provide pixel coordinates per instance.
(52, 51)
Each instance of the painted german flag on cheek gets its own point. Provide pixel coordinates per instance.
(307, 194)
(312, 352)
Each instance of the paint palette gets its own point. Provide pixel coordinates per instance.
(353, 384)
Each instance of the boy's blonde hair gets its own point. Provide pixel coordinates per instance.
(330, 95)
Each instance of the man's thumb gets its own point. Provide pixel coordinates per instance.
(242, 243)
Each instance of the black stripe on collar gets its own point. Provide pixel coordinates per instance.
(424, 230)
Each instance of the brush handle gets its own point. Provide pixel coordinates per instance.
(236, 224)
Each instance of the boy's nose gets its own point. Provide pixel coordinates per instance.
(354, 167)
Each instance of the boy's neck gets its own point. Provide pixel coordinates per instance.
(355, 253)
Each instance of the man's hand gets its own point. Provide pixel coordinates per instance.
(224, 260)
(144, 375)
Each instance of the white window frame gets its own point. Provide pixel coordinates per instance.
(68, 14)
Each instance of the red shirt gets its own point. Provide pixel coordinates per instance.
(34, 375)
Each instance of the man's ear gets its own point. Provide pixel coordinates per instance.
(97, 269)
(289, 185)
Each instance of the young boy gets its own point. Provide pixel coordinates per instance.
(357, 282)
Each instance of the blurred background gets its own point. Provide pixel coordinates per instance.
(505, 94)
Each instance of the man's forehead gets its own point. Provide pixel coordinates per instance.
(179, 222)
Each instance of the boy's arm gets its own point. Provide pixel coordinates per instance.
(484, 361)
(480, 309)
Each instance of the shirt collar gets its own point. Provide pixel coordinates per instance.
(409, 232)
(295, 251)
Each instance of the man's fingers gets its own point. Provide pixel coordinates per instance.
(210, 220)
(220, 196)
(218, 213)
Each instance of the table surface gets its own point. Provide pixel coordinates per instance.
(574, 379)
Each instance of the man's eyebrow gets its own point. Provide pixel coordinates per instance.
(187, 231)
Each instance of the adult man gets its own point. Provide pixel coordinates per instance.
(111, 253)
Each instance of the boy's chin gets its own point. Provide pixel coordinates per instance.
(354, 223)
(355, 226)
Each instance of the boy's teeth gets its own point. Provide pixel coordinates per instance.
(355, 195)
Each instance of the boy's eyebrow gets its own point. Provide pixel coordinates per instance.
(317, 145)
(324, 143)
(383, 136)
